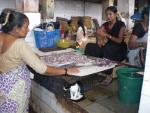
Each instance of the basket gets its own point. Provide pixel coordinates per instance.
(46, 39)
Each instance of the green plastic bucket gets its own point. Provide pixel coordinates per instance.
(129, 85)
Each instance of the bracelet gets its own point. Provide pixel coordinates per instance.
(110, 36)
(65, 71)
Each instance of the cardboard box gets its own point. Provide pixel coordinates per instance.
(27, 5)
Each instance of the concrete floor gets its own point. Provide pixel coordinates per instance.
(105, 100)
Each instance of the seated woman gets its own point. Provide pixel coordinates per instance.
(14, 55)
(111, 43)
(138, 40)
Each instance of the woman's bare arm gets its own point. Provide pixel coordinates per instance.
(133, 44)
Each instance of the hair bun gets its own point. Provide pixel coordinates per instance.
(4, 15)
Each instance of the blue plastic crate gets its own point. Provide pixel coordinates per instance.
(46, 39)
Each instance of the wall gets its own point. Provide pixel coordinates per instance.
(94, 10)
(126, 7)
(66, 9)
(7, 4)
(44, 101)
(123, 6)
(105, 4)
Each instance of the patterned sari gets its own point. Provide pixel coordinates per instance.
(15, 90)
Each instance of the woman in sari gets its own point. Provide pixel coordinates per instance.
(111, 43)
(14, 55)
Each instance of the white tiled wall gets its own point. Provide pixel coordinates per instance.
(145, 95)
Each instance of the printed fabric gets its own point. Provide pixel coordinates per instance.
(15, 90)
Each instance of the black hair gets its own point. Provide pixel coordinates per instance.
(69, 22)
(112, 9)
(145, 11)
(10, 18)
(80, 23)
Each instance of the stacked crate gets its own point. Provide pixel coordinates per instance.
(87, 22)
(74, 22)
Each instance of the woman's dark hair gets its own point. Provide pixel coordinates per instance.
(80, 23)
(112, 9)
(145, 11)
(69, 22)
(10, 18)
